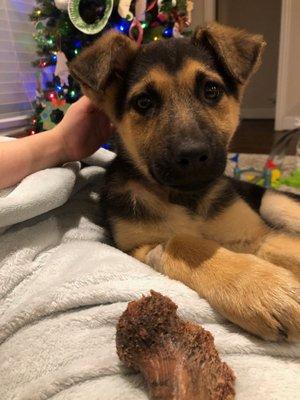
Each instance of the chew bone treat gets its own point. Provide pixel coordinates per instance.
(178, 359)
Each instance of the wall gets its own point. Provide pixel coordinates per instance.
(293, 83)
(197, 15)
(288, 105)
(258, 16)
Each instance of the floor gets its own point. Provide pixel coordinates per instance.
(254, 136)
(257, 136)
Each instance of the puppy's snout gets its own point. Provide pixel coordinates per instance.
(189, 161)
(192, 156)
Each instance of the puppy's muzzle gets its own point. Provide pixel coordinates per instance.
(189, 164)
(192, 157)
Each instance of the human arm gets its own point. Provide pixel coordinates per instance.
(83, 129)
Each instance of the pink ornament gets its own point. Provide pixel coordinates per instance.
(140, 9)
(162, 17)
(136, 24)
(151, 5)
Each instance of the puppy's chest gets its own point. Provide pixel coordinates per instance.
(234, 225)
(174, 214)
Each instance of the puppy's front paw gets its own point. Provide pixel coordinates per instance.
(154, 258)
(269, 305)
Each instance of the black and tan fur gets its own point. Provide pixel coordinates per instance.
(166, 200)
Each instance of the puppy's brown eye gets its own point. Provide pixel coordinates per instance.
(212, 91)
(144, 103)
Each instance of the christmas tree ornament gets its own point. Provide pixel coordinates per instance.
(151, 5)
(176, 31)
(52, 95)
(40, 39)
(61, 4)
(56, 115)
(168, 32)
(140, 9)
(61, 69)
(124, 9)
(53, 58)
(136, 25)
(162, 17)
(39, 26)
(80, 24)
(123, 26)
(189, 10)
(39, 94)
(46, 114)
(161, 3)
(64, 27)
(181, 23)
(57, 102)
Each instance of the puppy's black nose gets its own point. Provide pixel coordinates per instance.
(192, 156)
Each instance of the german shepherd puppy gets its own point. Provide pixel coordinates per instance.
(175, 104)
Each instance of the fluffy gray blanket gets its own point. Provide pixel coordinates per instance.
(62, 291)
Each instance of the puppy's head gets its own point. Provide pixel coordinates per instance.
(175, 102)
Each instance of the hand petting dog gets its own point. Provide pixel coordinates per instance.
(81, 132)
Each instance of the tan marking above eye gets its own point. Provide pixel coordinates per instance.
(157, 76)
(167, 83)
(190, 68)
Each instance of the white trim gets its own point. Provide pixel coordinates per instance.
(283, 60)
(289, 123)
(258, 113)
(6, 124)
(14, 132)
(209, 11)
(14, 119)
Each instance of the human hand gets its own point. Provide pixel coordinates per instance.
(82, 130)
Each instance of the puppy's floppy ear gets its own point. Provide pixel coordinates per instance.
(238, 51)
(99, 65)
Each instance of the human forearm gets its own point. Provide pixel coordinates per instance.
(81, 132)
(25, 156)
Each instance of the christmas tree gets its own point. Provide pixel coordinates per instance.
(65, 27)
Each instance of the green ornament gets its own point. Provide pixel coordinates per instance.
(78, 22)
(39, 26)
(56, 116)
(47, 114)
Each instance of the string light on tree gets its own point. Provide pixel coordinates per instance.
(58, 88)
(168, 32)
(51, 95)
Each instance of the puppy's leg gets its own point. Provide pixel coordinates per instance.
(281, 249)
(281, 209)
(260, 297)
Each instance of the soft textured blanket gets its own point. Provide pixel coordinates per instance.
(62, 291)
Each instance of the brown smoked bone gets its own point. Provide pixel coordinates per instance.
(178, 359)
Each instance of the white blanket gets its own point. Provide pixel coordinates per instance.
(62, 291)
